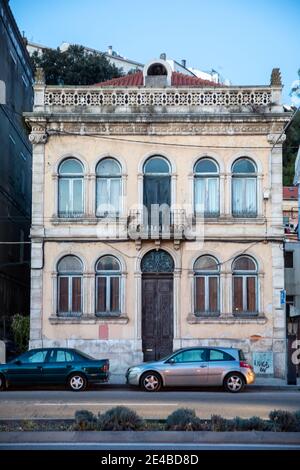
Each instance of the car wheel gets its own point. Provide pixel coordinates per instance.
(151, 382)
(234, 382)
(77, 382)
(2, 383)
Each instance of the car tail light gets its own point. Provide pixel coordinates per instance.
(105, 367)
(246, 365)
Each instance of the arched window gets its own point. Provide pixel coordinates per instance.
(244, 188)
(206, 285)
(108, 286)
(69, 297)
(244, 285)
(70, 189)
(157, 193)
(108, 196)
(206, 188)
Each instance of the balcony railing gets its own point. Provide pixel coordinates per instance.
(98, 97)
(173, 225)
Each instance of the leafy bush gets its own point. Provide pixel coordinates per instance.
(20, 327)
(183, 419)
(119, 418)
(251, 424)
(284, 420)
(297, 416)
(219, 424)
(85, 421)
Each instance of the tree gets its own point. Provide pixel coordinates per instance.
(75, 66)
(291, 145)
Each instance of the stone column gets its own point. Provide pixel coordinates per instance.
(222, 195)
(38, 138)
(88, 290)
(90, 195)
(228, 195)
(259, 196)
(223, 294)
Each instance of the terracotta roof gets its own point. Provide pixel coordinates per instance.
(178, 79)
(290, 192)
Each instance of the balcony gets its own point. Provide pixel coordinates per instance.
(173, 225)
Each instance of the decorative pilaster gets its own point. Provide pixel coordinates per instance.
(276, 141)
(176, 300)
(138, 306)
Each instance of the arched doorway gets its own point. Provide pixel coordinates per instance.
(157, 304)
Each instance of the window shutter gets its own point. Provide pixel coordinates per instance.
(63, 304)
(237, 294)
(101, 294)
(76, 294)
(213, 294)
(251, 294)
(114, 294)
(199, 294)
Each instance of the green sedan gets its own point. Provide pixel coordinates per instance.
(54, 366)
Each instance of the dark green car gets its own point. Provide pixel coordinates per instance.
(54, 366)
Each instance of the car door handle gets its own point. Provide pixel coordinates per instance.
(203, 365)
(39, 367)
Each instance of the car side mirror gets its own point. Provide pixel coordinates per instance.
(171, 361)
(18, 362)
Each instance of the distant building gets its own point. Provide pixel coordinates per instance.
(128, 65)
(16, 75)
(290, 211)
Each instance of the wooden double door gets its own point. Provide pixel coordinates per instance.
(157, 315)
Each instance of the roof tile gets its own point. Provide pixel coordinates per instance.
(136, 79)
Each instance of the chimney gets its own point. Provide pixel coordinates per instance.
(110, 50)
(163, 56)
(183, 63)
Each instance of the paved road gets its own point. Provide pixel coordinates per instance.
(63, 404)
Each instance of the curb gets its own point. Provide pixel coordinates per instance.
(123, 437)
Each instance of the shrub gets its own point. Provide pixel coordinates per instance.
(119, 418)
(183, 419)
(251, 424)
(283, 420)
(20, 326)
(297, 416)
(85, 421)
(219, 424)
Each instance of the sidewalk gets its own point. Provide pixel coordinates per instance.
(274, 383)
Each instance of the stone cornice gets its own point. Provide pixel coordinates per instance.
(156, 125)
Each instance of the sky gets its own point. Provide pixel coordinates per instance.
(241, 39)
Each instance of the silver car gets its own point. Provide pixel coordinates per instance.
(197, 366)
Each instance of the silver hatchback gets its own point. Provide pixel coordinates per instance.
(195, 367)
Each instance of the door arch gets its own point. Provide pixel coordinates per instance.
(157, 268)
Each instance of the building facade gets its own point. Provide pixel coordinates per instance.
(157, 218)
(16, 76)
